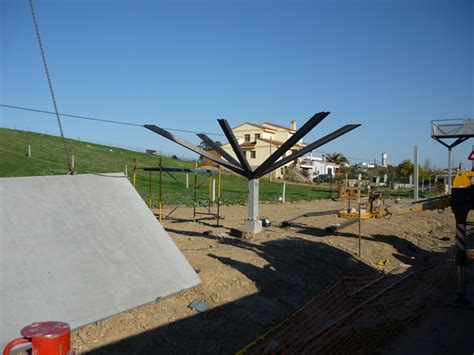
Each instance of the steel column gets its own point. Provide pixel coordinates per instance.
(415, 173)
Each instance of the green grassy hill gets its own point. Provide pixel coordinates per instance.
(48, 158)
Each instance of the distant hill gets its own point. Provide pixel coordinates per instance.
(48, 158)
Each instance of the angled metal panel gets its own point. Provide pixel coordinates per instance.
(326, 139)
(218, 149)
(195, 149)
(452, 128)
(235, 146)
(290, 142)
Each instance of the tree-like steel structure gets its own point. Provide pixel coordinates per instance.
(242, 167)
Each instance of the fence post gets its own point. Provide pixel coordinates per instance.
(284, 192)
(416, 177)
(213, 190)
(160, 191)
(360, 229)
(134, 173)
(195, 191)
(149, 189)
(29, 151)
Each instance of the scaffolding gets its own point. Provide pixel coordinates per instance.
(201, 207)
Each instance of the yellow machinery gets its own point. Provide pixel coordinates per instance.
(464, 179)
(374, 208)
(374, 203)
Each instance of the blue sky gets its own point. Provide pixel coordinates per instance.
(392, 66)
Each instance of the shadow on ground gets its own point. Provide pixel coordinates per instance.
(406, 251)
(297, 270)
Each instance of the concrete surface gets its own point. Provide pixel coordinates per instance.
(79, 249)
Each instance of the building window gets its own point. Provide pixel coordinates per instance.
(257, 136)
(253, 154)
(247, 137)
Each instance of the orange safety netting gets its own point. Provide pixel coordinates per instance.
(357, 314)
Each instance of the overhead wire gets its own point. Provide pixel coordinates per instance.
(103, 120)
(125, 123)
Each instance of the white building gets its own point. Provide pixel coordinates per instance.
(364, 165)
(319, 166)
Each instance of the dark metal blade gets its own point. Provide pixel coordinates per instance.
(195, 149)
(235, 146)
(218, 149)
(326, 139)
(290, 142)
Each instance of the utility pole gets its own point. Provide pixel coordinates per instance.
(415, 173)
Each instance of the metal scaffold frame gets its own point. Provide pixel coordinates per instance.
(196, 202)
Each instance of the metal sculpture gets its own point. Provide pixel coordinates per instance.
(242, 167)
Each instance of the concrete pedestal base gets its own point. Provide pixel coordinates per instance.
(253, 226)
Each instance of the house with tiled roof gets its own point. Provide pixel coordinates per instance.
(259, 141)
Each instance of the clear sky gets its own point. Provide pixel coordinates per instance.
(392, 66)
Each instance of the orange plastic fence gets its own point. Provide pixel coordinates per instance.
(357, 314)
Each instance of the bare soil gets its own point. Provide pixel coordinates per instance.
(252, 284)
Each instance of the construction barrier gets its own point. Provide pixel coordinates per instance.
(357, 314)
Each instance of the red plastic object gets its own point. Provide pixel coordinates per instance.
(46, 338)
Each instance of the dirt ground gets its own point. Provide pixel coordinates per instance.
(252, 284)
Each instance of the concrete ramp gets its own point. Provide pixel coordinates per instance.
(79, 249)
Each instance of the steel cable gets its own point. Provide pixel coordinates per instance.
(50, 84)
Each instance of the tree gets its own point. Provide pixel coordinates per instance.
(205, 146)
(339, 159)
(352, 172)
(392, 173)
(405, 168)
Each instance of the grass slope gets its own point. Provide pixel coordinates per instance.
(48, 158)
